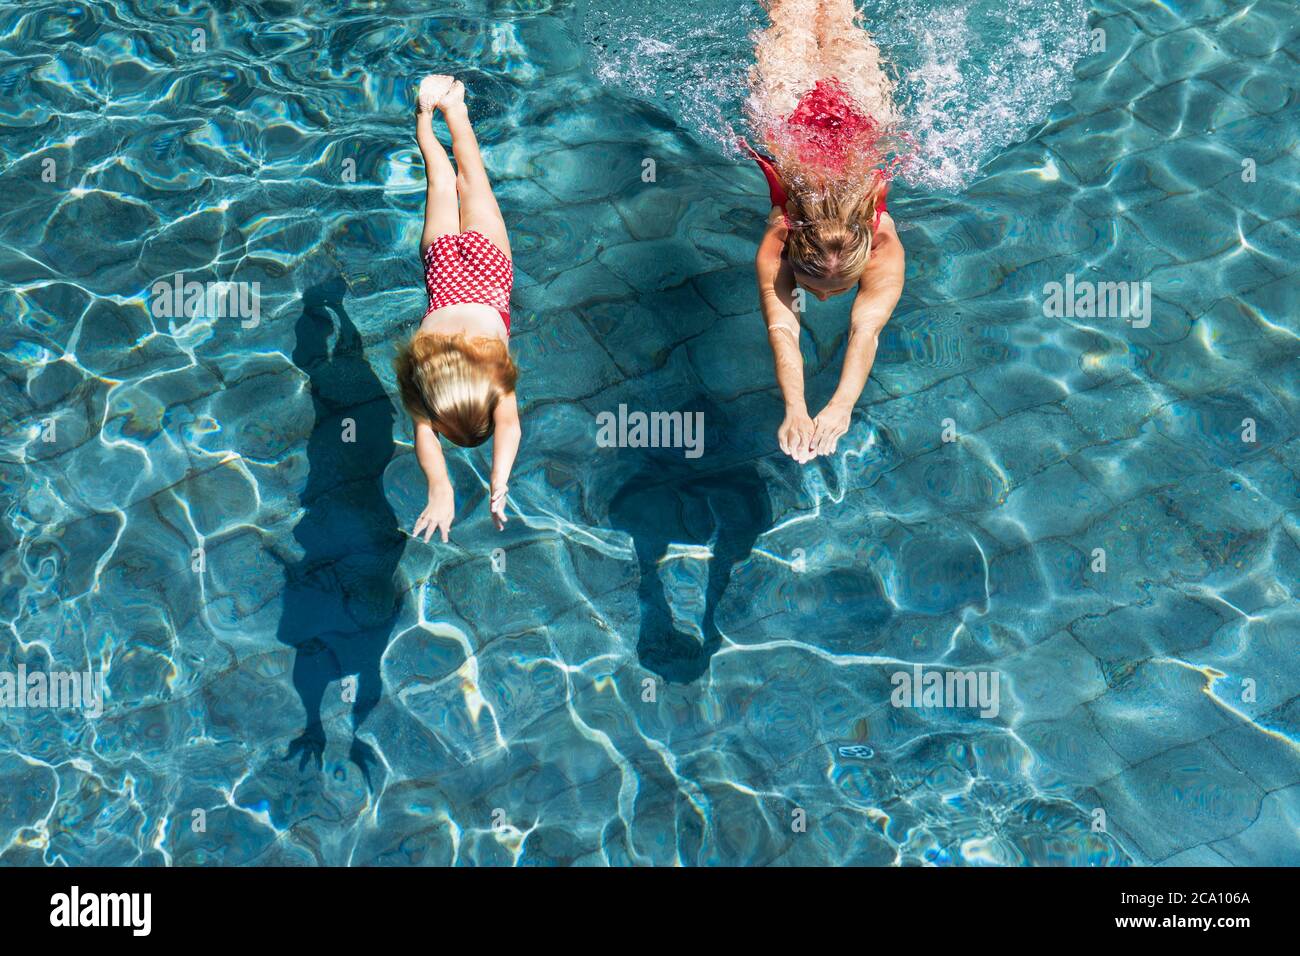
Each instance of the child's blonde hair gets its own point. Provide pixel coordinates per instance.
(832, 231)
(455, 383)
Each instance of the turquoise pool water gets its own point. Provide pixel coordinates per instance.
(670, 660)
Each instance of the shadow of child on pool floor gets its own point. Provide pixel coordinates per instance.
(672, 499)
(340, 601)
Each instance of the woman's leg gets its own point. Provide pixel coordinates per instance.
(479, 211)
(787, 59)
(850, 55)
(441, 215)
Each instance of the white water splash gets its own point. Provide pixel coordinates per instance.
(972, 79)
(976, 78)
(688, 57)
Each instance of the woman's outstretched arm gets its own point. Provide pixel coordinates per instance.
(776, 299)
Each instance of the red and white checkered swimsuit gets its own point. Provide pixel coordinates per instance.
(468, 267)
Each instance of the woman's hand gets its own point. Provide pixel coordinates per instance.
(438, 513)
(497, 506)
(795, 435)
(828, 426)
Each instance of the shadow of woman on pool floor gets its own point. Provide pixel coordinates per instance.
(672, 499)
(340, 600)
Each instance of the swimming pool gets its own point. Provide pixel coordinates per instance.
(664, 659)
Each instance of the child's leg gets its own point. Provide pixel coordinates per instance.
(441, 215)
(479, 211)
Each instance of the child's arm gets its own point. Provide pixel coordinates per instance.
(776, 298)
(441, 507)
(505, 445)
(878, 293)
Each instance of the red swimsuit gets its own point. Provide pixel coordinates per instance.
(468, 267)
(826, 130)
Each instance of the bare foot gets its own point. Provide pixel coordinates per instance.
(432, 89)
(453, 98)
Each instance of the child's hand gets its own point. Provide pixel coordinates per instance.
(437, 514)
(497, 505)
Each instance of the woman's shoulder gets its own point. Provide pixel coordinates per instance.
(886, 230)
(886, 248)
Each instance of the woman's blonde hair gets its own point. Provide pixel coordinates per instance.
(455, 383)
(832, 229)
